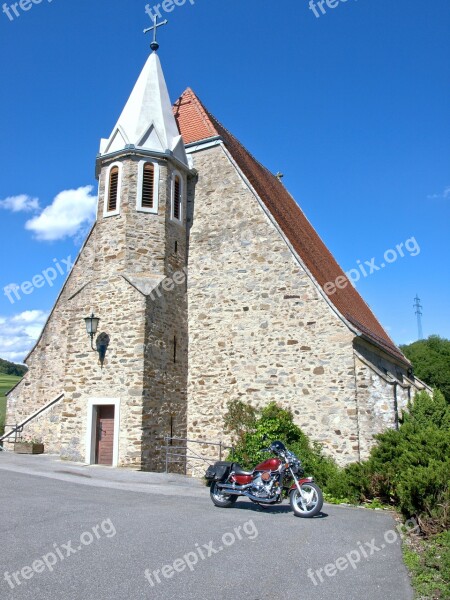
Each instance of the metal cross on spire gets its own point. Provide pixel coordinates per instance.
(154, 45)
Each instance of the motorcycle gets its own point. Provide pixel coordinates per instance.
(268, 484)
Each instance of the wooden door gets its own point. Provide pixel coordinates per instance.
(105, 435)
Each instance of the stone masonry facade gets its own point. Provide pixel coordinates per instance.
(126, 274)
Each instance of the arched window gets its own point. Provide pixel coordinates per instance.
(177, 197)
(148, 187)
(113, 189)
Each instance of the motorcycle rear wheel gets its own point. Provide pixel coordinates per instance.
(311, 505)
(219, 498)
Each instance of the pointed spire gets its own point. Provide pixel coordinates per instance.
(147, 121)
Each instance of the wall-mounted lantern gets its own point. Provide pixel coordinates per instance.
(102, 342)
(91, 327)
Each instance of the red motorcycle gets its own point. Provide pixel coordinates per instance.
(268, 483)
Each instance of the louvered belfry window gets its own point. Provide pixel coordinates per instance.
(148, 186)
(113, 189)
(177, 198)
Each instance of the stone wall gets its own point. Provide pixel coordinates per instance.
(259, 330)
(44, 380)
(384, 390)
(46, 427)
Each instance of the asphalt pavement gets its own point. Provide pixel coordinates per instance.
(74, 532)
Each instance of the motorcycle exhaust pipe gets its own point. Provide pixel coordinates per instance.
(261, 500)
(237, 491)
(242, 491)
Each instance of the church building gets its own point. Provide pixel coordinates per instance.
(201, 282)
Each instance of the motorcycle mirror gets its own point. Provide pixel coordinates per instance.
(264, 437)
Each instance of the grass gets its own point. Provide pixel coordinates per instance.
(6, 383)
(429, 564)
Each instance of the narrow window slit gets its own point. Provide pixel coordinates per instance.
(177, 198)
(113, 189)
(148, 186)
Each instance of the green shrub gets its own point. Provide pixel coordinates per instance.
(411, 466)
(352, 483)
(249, 427)
(408, 468)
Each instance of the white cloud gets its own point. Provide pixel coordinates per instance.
(71, 213)
(22, 203)
(444, 195)
(19, 333)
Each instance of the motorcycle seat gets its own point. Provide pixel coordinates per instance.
(238, 470)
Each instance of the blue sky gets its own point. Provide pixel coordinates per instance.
(353, 108)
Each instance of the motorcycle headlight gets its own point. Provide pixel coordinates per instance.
(297, 468)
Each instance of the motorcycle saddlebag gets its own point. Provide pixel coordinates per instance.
(219, 471)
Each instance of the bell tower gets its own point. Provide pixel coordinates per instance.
(143, 169)
(144, 174)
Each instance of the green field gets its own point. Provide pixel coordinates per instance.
(6, 383)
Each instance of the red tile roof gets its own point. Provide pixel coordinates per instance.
(196, 124)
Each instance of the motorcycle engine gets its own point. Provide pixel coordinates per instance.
(262, 485)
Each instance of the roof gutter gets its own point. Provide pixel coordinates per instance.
(135, 151)
(203, 144)
(367, 338)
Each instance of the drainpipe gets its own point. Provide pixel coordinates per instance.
(396, 418)
(358, 433)
(395, 384)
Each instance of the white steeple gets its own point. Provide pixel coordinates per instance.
(147, 120)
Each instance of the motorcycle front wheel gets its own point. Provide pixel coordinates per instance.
(310, 504)
(219, 498)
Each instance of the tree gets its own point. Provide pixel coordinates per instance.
(431, 361)
(9, 368)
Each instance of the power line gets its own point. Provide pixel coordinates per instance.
(419, 315)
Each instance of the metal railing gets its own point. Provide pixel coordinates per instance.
(17, 431)
(188, 454)
(18, 428)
